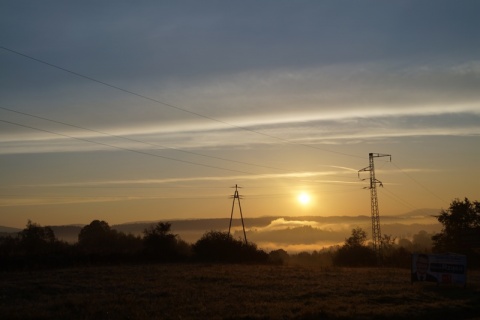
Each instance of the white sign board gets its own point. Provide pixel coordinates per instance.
(439, 268)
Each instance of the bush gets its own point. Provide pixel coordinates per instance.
(354, 253)
(161, 245)
(279, 256)
(359, 256)
(217, 246)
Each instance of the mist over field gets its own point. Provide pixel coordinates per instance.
(308, 233)
(293, 234)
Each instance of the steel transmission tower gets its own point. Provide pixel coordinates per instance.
(237, 196)
(376, 234)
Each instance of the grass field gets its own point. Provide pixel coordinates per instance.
(189, 291)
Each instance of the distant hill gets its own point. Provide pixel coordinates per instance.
(9, 230)
(137, 228)
(192, 229)
(427, 212)
(66, 233)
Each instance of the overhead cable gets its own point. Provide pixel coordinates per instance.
(173, 106)
(122, 148)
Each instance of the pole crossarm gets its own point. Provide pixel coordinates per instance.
(379, 155)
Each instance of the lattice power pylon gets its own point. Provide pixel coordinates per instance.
(376, 233)
(237, 196)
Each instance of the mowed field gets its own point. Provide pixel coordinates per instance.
(200, 291)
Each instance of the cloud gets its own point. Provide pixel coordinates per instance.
(298, 232)
(281, 223)
(20, 201)
(312, 132)
(295, 235)
(152, 182)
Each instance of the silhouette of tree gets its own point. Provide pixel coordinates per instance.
(35, 246)
(128, 244)
(357, 239)
(97, 238)
(278, 256)
(387, 246)
(461, 229)
(406, 244)
(217, 246)
(9, 246)
(160, 243)
(391, 254)
(99, 241)
(388, 240)
(354, 252)
(422, 242)
(37, 240)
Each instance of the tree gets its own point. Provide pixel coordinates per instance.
(387, 245)
(159, 242)
(422, 241)
(8, 246)
(97, 238)
(405, 243)
(278, 256)
(37, 240)
(354, 252)
(33, 246)
(217, 246)
(461, 229)
(357, 239)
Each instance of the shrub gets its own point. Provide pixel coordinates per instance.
(217, 246)
(160, 244)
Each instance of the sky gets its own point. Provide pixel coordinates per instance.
(154, 110)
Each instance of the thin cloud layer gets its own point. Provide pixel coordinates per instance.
(347, 130)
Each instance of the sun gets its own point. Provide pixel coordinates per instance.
(303, 198)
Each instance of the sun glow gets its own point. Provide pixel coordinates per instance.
(304, 198)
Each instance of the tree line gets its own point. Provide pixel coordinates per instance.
(37, 246)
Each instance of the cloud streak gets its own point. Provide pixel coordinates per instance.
(312, 130)
(193, 179)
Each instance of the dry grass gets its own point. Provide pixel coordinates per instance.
(230, 292)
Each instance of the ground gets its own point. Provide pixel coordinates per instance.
(199, 291)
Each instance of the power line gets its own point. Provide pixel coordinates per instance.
(127, 149)
(417, 182)
(173, 106)
(127, 197)
(171, 148)
(393, 196)
(139, 141)
(122, 148)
